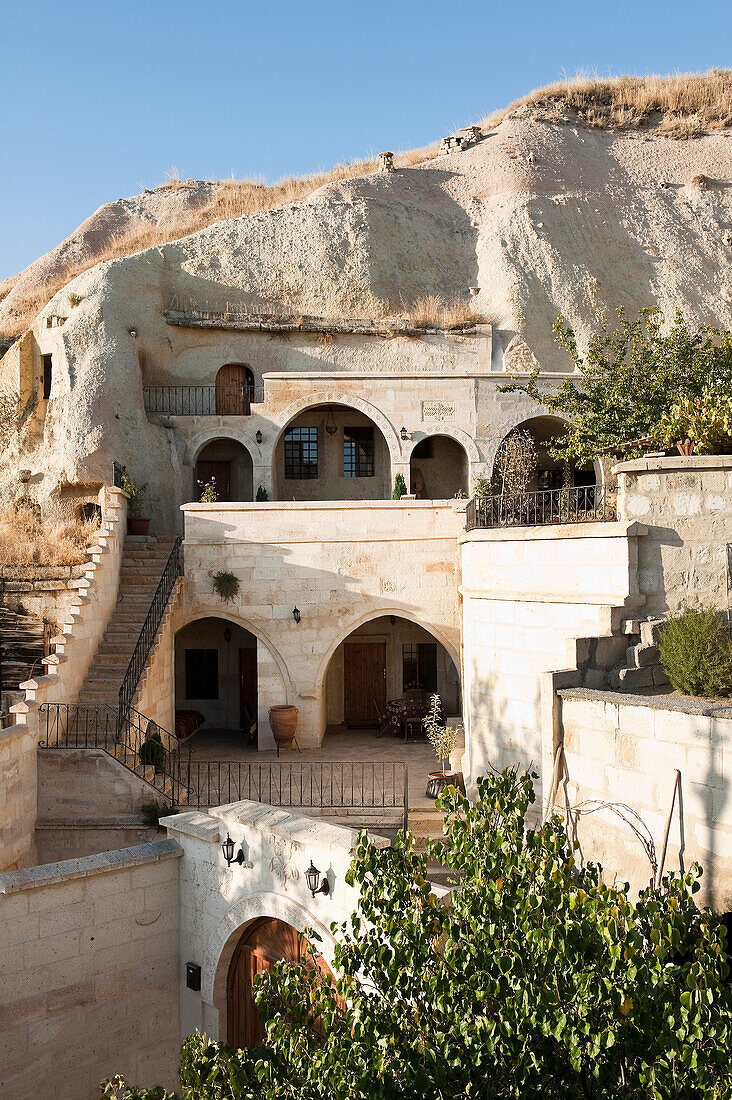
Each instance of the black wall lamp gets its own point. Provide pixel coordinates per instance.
(258, 436)
(227, 635)
(315, 885)
(228, 849)
(404, 434)
(296, 614)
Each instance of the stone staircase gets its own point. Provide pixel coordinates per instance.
(143, 562)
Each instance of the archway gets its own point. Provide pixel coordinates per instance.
(381, 662)
(331, 452)
(550, 473)
(226, 466)
(234, 390)
(216, 678)
(263, 943)
(438, 468)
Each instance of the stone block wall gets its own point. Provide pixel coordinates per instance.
(686, 504)
(89, 973)
(17, 796)
(624, 750)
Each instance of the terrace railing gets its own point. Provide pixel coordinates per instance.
(580, 504)
(164, 765)
(173, 570)
(201, 400)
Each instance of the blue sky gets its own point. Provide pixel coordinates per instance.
(102, 99)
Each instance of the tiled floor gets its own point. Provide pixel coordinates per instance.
(300, 775)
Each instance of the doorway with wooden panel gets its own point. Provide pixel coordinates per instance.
(364, 682)
(264, 943)
(234, 390)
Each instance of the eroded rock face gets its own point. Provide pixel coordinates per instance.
(580, 228)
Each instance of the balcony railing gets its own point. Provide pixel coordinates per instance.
(581, 504)
(201, 400)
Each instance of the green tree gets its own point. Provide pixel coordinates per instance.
(535, 980)
(630, 378)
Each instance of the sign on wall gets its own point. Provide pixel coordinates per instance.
(438, 410)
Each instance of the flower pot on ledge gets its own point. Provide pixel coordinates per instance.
(137, 526)
(283, 723)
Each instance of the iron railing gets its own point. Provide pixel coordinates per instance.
(313, 784)
(580, 504)
(201, 400)
(173, 570)
(127, 736)
(117, 473)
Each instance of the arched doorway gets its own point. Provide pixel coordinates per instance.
(216, 678)
(332, 452)
(234, 390)
(382, 662)
(226, 466)
(438, 468)
(550, 473)
(262, 944)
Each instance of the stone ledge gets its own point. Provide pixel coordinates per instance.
(602, 529)
(277, 821)
(706, 708)
(685, 463)
(51, 874)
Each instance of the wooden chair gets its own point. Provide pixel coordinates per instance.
(383, 728)
(250, 724)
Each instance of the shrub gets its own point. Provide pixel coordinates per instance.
(537, 979)
(152, 812)
(55, 537)
(262, 494)
(152, 750)
(697, 424)
(208, 491)
(400, 487)
(136, 494)
(442, 738)
(226, 586)
(696, 652)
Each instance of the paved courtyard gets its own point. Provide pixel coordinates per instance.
(353, 768)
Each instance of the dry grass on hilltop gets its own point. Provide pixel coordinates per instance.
(432, 310)
(682, 105)
(679, 106)
(55, 539)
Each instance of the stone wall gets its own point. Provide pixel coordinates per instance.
(17, 796)
(529, 595)
(341, 563)
(89, 973)
(686, 504)
(624, 750)
(217, 903)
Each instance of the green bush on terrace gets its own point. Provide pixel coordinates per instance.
(536, 980)
(696, 652)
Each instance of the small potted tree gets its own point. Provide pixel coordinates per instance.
(137, 524)
(443, 739)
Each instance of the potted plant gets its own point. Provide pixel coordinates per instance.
(137, 524)
(443, 739)
(400, 487)
(226, 586)
(152, 749)
(283, 723)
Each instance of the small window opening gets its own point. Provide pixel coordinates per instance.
(90, 513)
(301, 453)
(47, 375)
(358, 452)
(419, 666)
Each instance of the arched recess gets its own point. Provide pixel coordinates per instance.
(439, 468)
(225, 465)
(380, 658)
(550, 473)
(199, 441)
(222, 944)
(332, 451)
(332, 397)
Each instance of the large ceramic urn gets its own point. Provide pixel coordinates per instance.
(283, 723)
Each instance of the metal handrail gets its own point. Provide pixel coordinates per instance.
(117, 474)
(221, 400)
(173, 570)
(576, 504)
(165, 766)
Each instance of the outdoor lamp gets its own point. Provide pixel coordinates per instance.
(227, 635)
(315, 886)
(228, 849)
(404, 434)
(258, 436)
(296, 614)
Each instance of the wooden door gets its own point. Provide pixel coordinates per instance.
(364, 682)
(266, 942)
(247, 688)
(221, 471)
(232, 390)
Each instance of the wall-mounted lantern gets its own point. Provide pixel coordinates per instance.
(330, 423)
(315, 885)
(296, 614)
(404, 434)
(227, 635)
(258, 436)
(228, 849)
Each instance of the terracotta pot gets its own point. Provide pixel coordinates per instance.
(437, 781)
(137, 526)
(283, 723)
